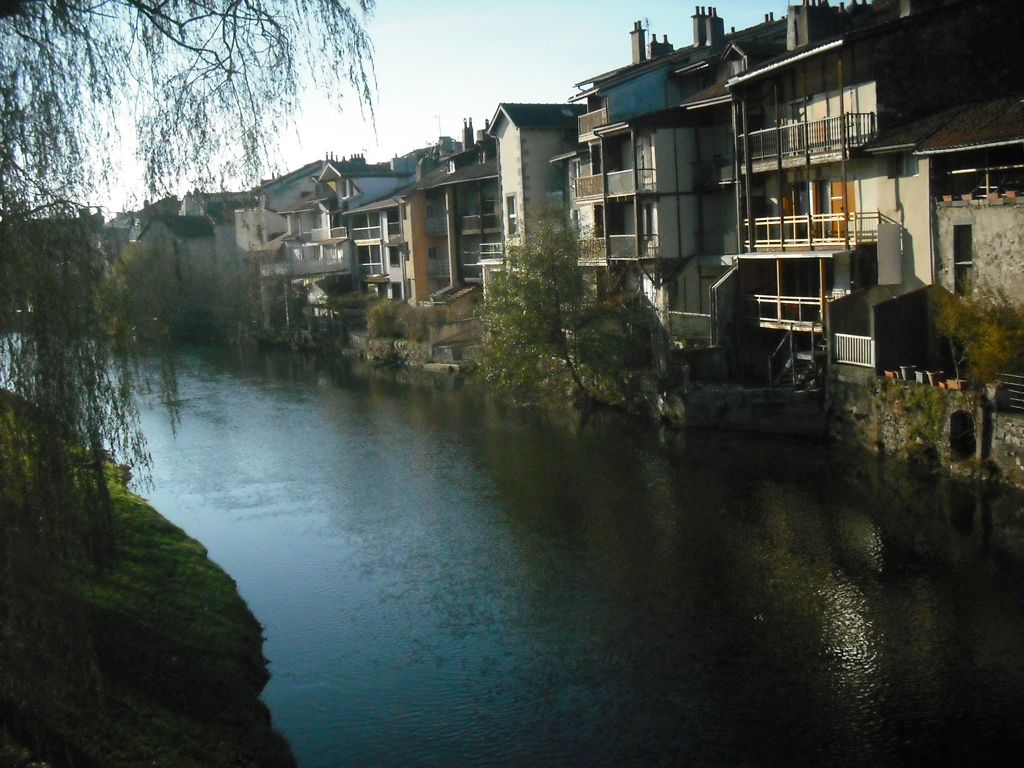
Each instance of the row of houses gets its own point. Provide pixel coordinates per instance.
(780, 193)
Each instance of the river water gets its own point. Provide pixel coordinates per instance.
(446, 582)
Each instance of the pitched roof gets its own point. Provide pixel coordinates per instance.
(308, 202)
(560, 116)
(989, 123)
(439, 177)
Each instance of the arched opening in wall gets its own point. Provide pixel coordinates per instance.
(961, 435)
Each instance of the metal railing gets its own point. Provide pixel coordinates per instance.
(588, 186)
(339, 232)
(828, 229)
(471, 223)
(394, 229)
(437, 268)
(621, 183)
(592, 120)
(814, 137)
(648, 246)
(853, 350)
(436, 225)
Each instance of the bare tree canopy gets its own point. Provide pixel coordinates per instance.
(205, 86)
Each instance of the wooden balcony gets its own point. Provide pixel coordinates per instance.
(588, 186)
(591, 121)
(818, 230)
(817, 141)
(592, 252)
(798, 313)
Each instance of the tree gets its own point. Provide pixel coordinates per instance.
(205, 85)
(986, 332)
(552, 334)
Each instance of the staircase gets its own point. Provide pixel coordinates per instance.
(800, 369)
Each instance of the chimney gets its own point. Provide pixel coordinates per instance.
(910, 7)
(715, 26)
(638, 40)
(467, 133)
(812, 21)
(660, 49)
(700, 30)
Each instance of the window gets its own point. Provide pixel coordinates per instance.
(396, 290)
(963, 258)
(510, 210)
(394, 258)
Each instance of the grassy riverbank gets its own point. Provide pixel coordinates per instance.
(152, 660)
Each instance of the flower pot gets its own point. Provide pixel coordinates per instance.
(967, 198)
(891, 375)
(907, 372)
(934, 377)
(947, 198)
(942, 385)
(954, 383)
(1011, 193)
(992, 196)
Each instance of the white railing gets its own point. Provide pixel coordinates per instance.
(854, 350)
(621, 183)
(826, 229)
(339, 232)
(649, 246)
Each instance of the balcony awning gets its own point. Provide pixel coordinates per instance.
(762, 255)
(376, 279)
(611, 129)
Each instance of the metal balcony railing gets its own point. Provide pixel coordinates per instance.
(339, 233)
(622, 247)
(592, 120)
(647, 180)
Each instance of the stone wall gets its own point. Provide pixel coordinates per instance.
(1006, 449)
(776, 411)
(997, 235)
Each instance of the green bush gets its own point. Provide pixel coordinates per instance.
(387, 319)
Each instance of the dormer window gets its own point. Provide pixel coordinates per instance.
(451, 166)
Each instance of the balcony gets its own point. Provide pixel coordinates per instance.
(591, 121)
(818, 141)
(802, 313)
(648, 246)
(622, 247)
(303, 268)
(647, 180)
(592, 253)
(588, 186)
(437, 268)
(436, 225)
(621, 183)
(394, 230)
(692, 327)
(363, 234)
(339, 233)
(474, 224)
(491, 252)
(320, 234)
(824, 230)
(853, 350)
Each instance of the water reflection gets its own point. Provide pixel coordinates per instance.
(445, 581)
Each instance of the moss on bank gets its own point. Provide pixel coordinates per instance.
(152, 660)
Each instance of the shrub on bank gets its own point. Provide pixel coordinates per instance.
(387, 319)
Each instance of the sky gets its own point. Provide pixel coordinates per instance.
(437, 63)
(440, 62)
